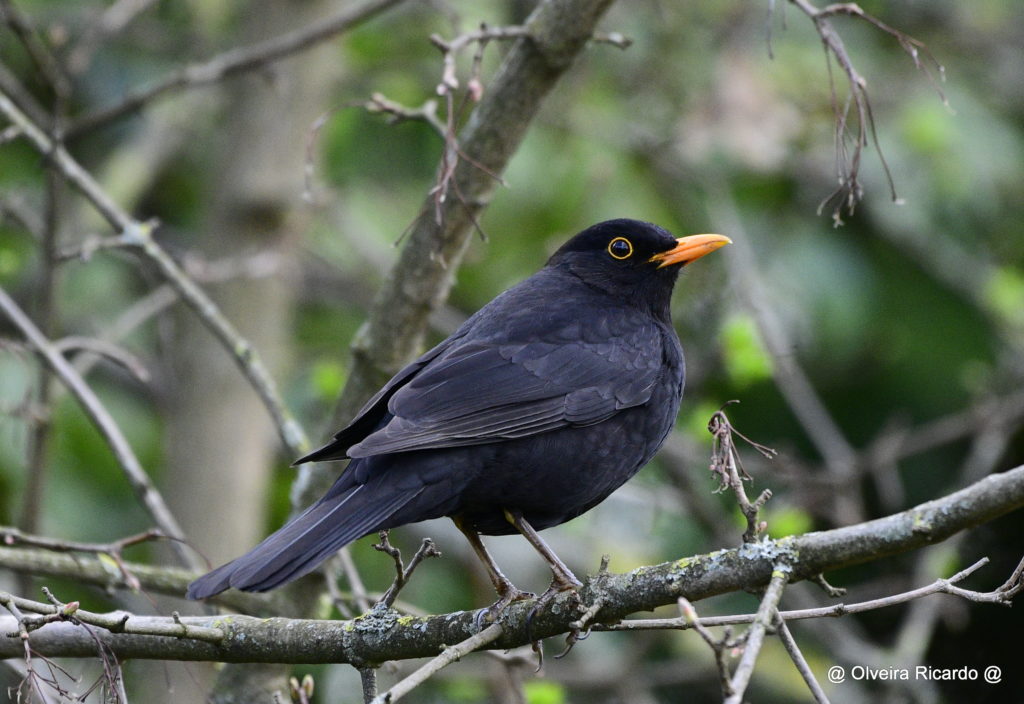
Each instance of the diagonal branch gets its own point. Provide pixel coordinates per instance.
(755, 636)
(235, 61)
(446, 658)
(140, 482)
(139, 235)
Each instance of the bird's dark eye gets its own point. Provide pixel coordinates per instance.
(620, 248)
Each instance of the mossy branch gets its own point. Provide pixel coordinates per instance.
(386, 635)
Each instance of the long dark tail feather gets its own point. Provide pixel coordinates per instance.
(300, 546)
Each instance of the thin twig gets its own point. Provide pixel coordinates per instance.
(107, 350)
(719, 646)
(939, 586)
(234, 61)
(402, 572)
(789, 643)
(114, 550)
(446, 658)
(427, 112)
(140, 482)
(755, 636)
(725, 463)
(849, 191)
(355, 582)
(42, 614)
(139, 235)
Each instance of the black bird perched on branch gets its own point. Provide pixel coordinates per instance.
(536, 409)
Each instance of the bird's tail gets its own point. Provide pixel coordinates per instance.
(300, 546)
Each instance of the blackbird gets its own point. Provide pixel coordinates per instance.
(537, 408)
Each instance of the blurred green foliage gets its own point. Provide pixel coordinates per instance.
(906, 313)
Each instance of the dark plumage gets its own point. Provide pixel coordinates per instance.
(538, 407)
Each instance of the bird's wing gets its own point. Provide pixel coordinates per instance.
(477, 391)
(374, 411)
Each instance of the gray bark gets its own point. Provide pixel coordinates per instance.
(385, 635)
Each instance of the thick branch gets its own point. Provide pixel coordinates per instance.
(385, 635)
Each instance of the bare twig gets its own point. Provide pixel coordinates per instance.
(725, 463)
(114, 622)
(103, 574)
(755, 636)
(850, 192)
(107, 350)
(402, 572)
(105, 423)
(139, 235)
(114, 550)
(378, 103)
(355, 582)
(446, 658)
(789, 643)
(1002, 595)
(450, 49)
(235, 61)
(719, 646)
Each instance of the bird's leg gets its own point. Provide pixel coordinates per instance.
(563, 578)
(507, 592)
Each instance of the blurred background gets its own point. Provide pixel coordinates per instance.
(883, 359)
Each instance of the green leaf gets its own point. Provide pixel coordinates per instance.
(544, 692)
(327, 379)
(746, 361)
(1004, 292)
(788, 520)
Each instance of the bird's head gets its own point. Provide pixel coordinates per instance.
(632, 259)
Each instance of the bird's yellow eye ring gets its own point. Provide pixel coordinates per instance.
(620, 248)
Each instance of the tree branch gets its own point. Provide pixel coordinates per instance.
(140, 482)
(139, 235)
(386, 635)
(234, 61)
(755, 636)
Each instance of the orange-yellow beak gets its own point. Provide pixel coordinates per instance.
(689, 248)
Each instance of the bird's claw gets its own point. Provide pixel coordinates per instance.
(493, 612)
(576, 634)
(537, 646)
(557, 586)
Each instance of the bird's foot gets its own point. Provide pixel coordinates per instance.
(506, 595)
(580, 628)
(561, 583)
